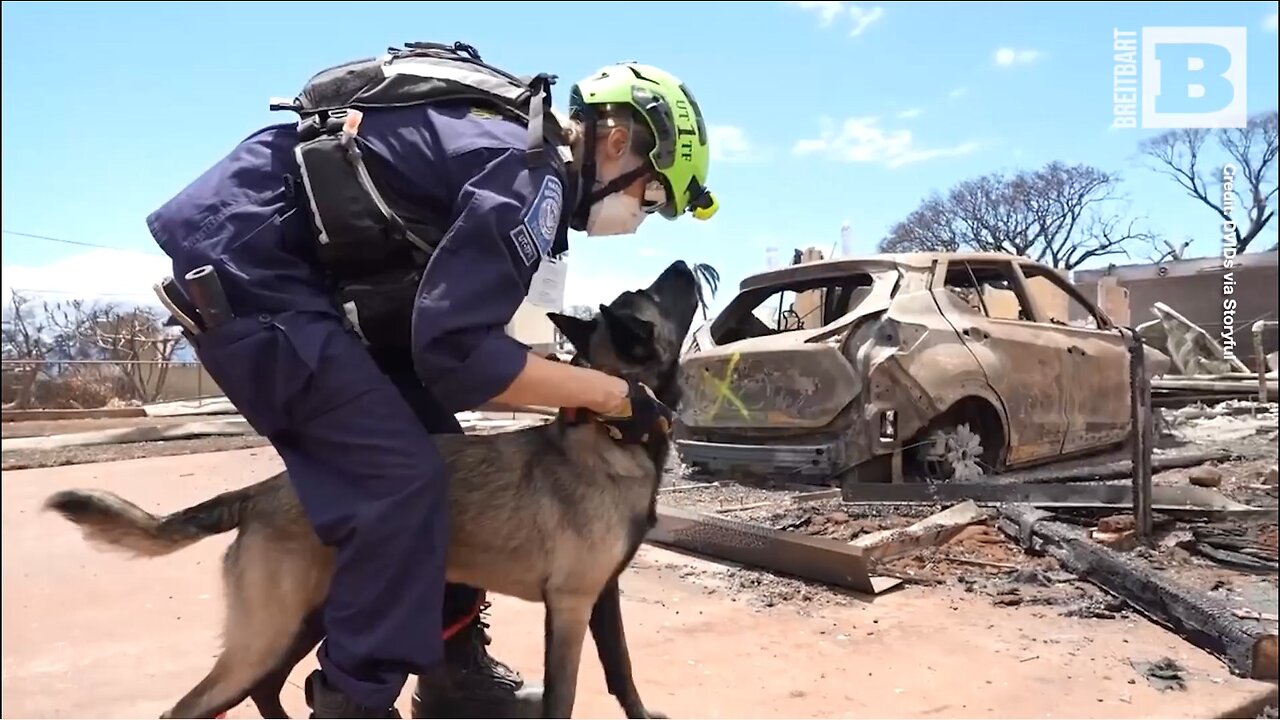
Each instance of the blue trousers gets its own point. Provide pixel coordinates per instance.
(354, 437)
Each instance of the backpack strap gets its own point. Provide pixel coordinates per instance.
(419, 74)
(540, 108)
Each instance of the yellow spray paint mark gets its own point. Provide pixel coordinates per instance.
(724, 391)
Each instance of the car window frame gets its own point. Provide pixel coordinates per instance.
(1008, 267)
(1104, 323)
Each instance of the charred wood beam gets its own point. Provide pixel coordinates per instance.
(1248, 649)
(1172, 500)
(1179, 400)
(1142, 436)
(1243, 389)
(1260, 353)
(1117, 470)
(932, 531)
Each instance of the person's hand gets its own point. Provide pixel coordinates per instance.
(637, 417)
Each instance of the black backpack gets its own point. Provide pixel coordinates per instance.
(422, 73)
(372, 246)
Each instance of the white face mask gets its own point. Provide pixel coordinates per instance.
(616, 214)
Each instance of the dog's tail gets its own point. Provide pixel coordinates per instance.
(110, 521)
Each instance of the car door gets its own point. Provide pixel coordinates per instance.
(984, 302)
(1097, 403)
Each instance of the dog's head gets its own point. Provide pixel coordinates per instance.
(639, 335)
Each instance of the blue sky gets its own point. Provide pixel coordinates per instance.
(111, 108)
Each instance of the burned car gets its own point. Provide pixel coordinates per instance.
(936, 366)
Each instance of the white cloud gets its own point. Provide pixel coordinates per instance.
(828, 11)
(958, 92)
(1269, 22)
(863, 18)
(729, 144)
(862, 140)
(909, 113)
(120, 276)
(1008, 57)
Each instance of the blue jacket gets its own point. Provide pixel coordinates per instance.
(245, 217)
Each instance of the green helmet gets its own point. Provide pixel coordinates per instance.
(681, 153)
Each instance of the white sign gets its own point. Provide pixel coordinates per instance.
(547, 289)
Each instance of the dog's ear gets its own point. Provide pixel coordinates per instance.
(628, 333)
(576, 330)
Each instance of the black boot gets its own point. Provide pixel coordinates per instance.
(475, 685)
(327, 701)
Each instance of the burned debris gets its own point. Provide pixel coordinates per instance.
(981, 424)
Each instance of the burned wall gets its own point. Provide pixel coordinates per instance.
(1194, 289)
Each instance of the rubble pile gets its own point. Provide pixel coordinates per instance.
(1199, 368)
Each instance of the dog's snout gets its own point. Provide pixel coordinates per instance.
(676, 272)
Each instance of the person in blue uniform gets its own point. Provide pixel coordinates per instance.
(347, 350)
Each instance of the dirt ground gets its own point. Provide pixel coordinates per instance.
(94, 634)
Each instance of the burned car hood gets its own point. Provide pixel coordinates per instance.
(796, 379)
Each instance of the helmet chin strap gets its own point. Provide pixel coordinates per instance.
(587, 178)
(587, 175)
(615, 185)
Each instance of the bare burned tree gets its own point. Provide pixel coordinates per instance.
(1181, 154)
(1170, 251)
(1061, 215)
(137, 340)
(932, 227)
(132, 338)
(580, 311)
(54, 336)
(23, 336)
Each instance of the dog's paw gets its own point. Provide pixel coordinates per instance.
(649, 712)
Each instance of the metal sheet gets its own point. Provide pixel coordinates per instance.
(812, 558)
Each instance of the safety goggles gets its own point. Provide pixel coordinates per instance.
(657, 196)
(656, 200)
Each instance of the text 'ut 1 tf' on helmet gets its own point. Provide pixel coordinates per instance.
(681, 153)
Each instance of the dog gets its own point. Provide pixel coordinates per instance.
(551, 514)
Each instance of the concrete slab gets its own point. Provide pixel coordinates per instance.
(91, 634)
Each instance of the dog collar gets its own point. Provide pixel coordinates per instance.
(574, 416)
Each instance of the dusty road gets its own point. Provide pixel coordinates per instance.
(91, 634)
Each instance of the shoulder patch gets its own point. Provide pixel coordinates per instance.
(542, 219)
(524, 244)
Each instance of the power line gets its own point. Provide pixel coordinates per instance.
(81, 243)
(81, 292)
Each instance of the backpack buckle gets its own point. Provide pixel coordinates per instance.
(279, 103)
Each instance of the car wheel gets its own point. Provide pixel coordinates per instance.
(954, 453)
